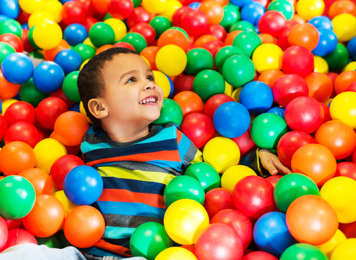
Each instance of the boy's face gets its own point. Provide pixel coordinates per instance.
(131, 94)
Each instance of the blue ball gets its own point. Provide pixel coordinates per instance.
(194, 5)
(69, 60)
(351, 47)
(279, 111)
(327, 42)
(48, 76)
(252, 12)
(322, 22)
(271, 233)
(10, 8)
(256, 96)
(17, 68)
(83, 185)
(240, 3)
(25, 26)
(75, 33)
(231, 119)
(75, 108)
(3, 18)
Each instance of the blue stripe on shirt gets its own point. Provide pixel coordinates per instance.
(118, 232)
(133, 185)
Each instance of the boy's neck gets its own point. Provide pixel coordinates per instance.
(124, 134)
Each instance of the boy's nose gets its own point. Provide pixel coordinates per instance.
(150, 86)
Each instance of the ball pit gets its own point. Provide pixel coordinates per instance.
(234, 75)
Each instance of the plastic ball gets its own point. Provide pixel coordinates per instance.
(163, 82)
(31, 94)
(327, 42)
(213, 11)
(48, 110)
(205, 174)
(272, 22)
(15, 62)
(189, 101)
(4, 233)
(69, 60)
(270, 77)
(288, 87)
(219, 241)
(344, 80)
(320, 86)
(171, 60)
(338, 59)
(85, 51)
(5, 50)
(329, 246)
(344, 26)
(42, 183)
(238, 70)
(22, 131)
(256, 96)
(120, 9)
(170, 113)
(320, 65)
(195, 23)
(343, 108)
(303, 251)
(10, 26)
(160, 24)
(19, 236)
(170, 8)
(48, 76)
(267, 56)
(347, 169)
(321, 22)
(75, 34)
(136, 40)
(345, 250)
(47, 35)
(231, 16)
(74, 12)
(216, 200)
(243, 26)
(298, 60)
(310, 9)
(101, 33)
(304, 35)
(197, 60)
(283, 6)
(208, 83)
(214, 102)
(118, 26)
(20, 111)
(245, 143)
(351, 47)
(175, 253)
(252, 12)
(146, 30)
(232, 175)
(247, 42)
(259, 255)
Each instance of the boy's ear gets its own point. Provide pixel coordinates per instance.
(98, 108)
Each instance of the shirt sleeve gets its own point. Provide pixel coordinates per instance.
(188, 152)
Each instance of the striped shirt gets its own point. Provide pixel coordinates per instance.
(134, 175)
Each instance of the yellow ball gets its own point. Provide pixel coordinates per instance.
(175, 253)
(118, 26)
(185, 220)
(66, 203)
(228, 89)
(343, 107)
(53, 7)
(267, 56)
(38, 18)
(309, 9)
(320, 65)
(30, 6)
(350, 67)
(234, 174)
(83, 64)
(329, 246)
(344, 26)
(171, 7)
(340, 193)
(163, 82)
(88, 42)
(221, 153)
(6, 103)
(47, 151)
(154, 6)
(236, 94)
(171, 60)
(345, 251)
(82, 110)
(47, 35)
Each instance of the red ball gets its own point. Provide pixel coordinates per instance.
(139, 15)
(195, 23)
(26, 43)
(48, 110)
(73, 12)
(274, 179)
(20, 111)
(347, 169)
(245, 143)
(19, 236)
(3, 233)
(13, 40)
(218, 31)
(349, 230)
(177, 17)
(259, 255)
(22, 131)
(253, 196)
(304, 114)
(219, 242)
(213, 47)
(3, 126)
(326, 112)
(183, 82)
(272, 22)
(214, 102)
(288, 87)
(298, 60)
(291, 142)
(352, 87)
(146, 30)
(62, 166)
(121, 9)
(354, 156)
(198, 127)
(88, 7)
(13, 223)
(124, 45)
(59, 93)
(238, 221)
(217, 199)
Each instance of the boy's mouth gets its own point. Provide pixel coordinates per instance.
(149, 100)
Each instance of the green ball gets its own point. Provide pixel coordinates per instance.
(101, 33)
(85, 51)
(51, 242)
(70, 86)
(183, 187)
(5, 49)
(198, 59)
(36, 54)
(238, 70)
(136, 3)
(303, 252)
(225, 53)
(170, 113)
(248, 42)
(17, 197)
(181, 30)
(243, 26)
(30, 39)
(11, 26)
(267, 129)
(207, 83)
(338, 59)
(282, 6)
(149, 239)
(292, 186)
(231, 16)
(31, 94)
(136, 40)
(107, 16)
(206, 174)
(160, 24)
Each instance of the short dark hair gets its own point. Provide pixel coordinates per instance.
(90, 79)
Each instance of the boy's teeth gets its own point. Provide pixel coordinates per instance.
(148, 100)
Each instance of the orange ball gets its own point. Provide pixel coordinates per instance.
(315, 161)
(344, 80)
(70, 136)
(41, 181)
(16, 157)
(220, 2)
(310, 219)
(189, 102)
(341, 7)
(270, 77)
(46, 217)
(338, 137)
(175, 37)
(305, 35)
(8, 89)
(84, 226)
(230, 37)
(320, 86)
(51, 53)
(213, 11)
(150, 54)
(202, 40)
(267, 38)
(103, 48)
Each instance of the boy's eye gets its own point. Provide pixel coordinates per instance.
(150, 78)
(131, 80)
